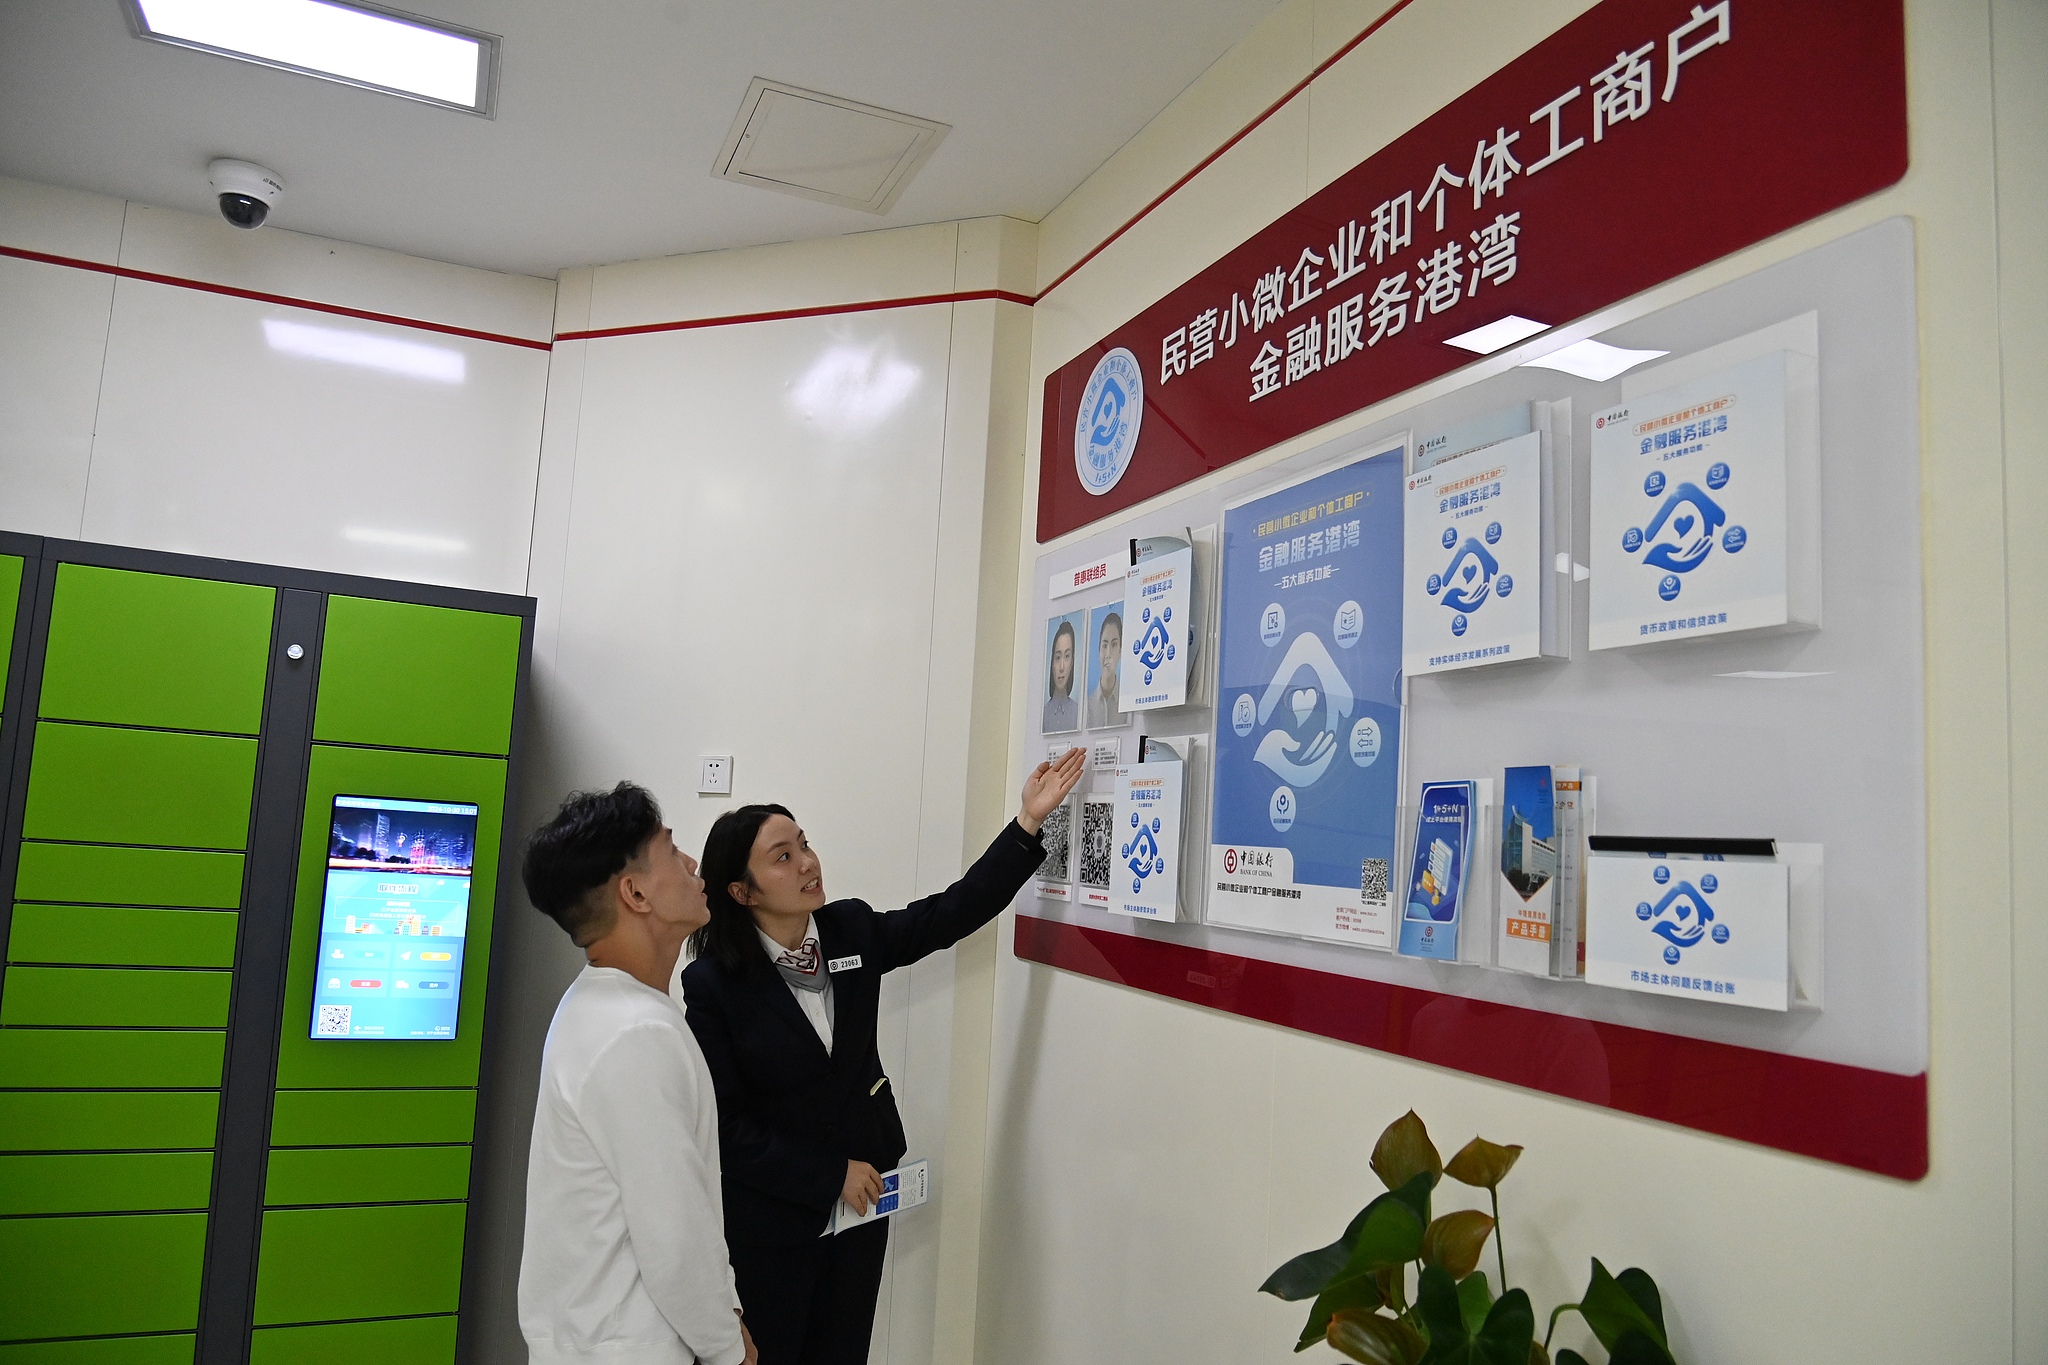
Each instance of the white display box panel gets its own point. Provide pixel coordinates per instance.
(1145, 860)
(1705, 502)
(1719, 930)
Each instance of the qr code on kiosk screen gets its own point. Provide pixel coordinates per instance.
(333, 1021)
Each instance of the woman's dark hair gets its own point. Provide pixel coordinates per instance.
(1066, 629)
(576, 854)
(730, 939)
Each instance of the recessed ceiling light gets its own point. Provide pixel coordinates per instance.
(1495, 335)
(362, 45)
(1594, 360)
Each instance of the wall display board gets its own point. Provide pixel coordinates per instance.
(1752, 733)
(221, 1142)
(1308, 729)
(1476, 559)
(1705, 505)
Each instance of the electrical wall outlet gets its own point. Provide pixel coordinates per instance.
(714, 774)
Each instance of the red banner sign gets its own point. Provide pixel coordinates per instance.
(1642, 140)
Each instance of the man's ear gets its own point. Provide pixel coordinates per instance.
(629, 896)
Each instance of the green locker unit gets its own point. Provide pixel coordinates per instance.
(236, 1123)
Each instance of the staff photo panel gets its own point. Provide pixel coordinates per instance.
(1063, 685)
(1104, 708)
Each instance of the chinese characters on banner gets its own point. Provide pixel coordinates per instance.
(1644, 139)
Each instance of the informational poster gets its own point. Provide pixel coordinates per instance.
(1530, 869)
(1096, 844)
(1474, 537)
(1689, 520)
(1060, 712)
(1308, 711)
(1439, 876)
(1706, 929)
(1145, 867)
(1157, 622)
(1103, 706)
(1057, 871)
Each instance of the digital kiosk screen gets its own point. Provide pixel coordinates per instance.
(393, 918)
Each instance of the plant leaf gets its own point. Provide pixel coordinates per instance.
(1436, 1303)
(1374, 1340)
(1509, 1332)
(1638, 1285)
(1537, 1355)
(1475, 1296)
(1503, 1338)
(1482, 1163)
(1610, 1310)
(1354, 1291)
(1404, 1151)
(1456, 1241)
(1570, 1357)
(1306, 1275)
(1635, 1348)
(1388, 1237)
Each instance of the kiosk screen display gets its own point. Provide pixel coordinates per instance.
(393, 918)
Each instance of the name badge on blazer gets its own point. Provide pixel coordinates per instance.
(843, 964)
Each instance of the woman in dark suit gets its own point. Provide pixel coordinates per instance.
(782, 996)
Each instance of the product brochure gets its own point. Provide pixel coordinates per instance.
(1437, 878)
(1575, 793)
(1145, 864)
(903, 1188)
(1474, 559)
(1157, 624)
(1530, 866)
(1706, 928)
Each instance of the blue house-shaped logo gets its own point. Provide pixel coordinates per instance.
(1681, 535)
(1469, 579)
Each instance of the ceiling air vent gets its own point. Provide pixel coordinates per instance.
(823, 147)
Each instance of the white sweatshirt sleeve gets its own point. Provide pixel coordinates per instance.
(640, 1104)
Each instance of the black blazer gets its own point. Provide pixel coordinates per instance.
(791, 1115)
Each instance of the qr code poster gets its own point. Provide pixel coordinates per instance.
(333, 1021)
(1098, 839)
(1058, 868)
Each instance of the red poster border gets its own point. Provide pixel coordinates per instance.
(1852, 1116)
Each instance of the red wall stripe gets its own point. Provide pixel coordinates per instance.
(1853, 1116)
(822, 310)
(207, 287)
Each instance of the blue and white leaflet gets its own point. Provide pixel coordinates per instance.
(1532, 859)
(1475, 559)
(1308, 713)
(1144, 868)
(1689, 509)
(1703, 928)
(1158, 617)
(1440, 872)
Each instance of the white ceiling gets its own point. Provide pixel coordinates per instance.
(609, 117)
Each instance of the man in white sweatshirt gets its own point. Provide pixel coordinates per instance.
(625, 1258)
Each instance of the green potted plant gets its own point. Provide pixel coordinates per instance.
(1360, 1283)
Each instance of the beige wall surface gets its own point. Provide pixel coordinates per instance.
(1149, 1162)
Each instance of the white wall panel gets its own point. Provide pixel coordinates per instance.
(254, 431)
(53, 334)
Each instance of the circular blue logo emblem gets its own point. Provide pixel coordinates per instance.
(1450, 537)
(1435, 584)
(1134, 820)
(1504, 585)
(1710, 883)
(1671, 955)
(1643, 910)
(1458, 624)
(1155, 824)
(1632, 539)
(1717, 475)
(1493, 533)
(1654, 485)
(1720, 933)
(1667, 586)
(1733, 539)
(1106, 431)
(1661, 875)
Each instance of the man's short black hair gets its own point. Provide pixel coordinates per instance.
(573, 856)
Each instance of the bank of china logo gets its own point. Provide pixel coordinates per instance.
(1298, 762)
(1682, 917)
(1142, 854)
(1106, 431)
(1153, 646)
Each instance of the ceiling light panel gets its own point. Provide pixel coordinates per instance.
(823, 147)
(1496, 335)
(361, 45)
(1594, 360)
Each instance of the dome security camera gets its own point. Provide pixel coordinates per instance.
(247, 191)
